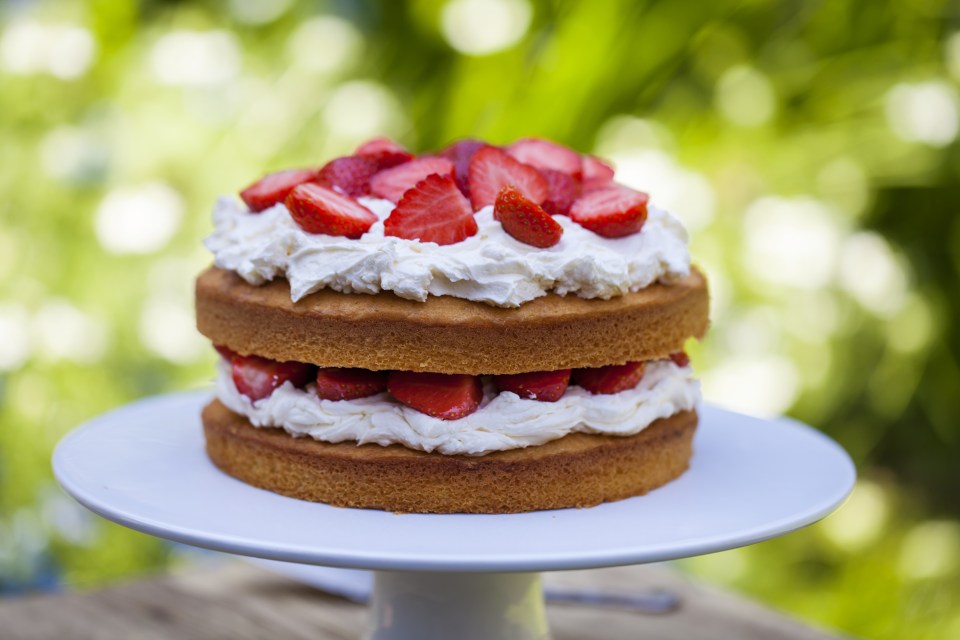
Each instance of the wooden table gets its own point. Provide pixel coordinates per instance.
(235, 600)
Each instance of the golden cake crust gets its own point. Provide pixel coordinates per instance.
(578, 470)
(446, 334)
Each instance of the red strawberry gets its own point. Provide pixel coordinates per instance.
(525, 220)
(545, 386)
(492, 169)
(610, 379)
(460, 153)
(257, 377)
(544, 154)
(680, 358)
(274, 187)
(385, 152)
(612, 212)
(448, 397)
(563, 190)
(433, 211)
(334, 383)
(393, 183)
(596, 173)
(318, 209)
(225, 352)
(349, 175)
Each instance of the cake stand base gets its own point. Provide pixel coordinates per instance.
(410, 605)
(454, 575)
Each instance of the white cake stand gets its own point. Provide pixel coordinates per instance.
(453, 576)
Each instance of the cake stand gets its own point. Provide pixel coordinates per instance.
(453, 576)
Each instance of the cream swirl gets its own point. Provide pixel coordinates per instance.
(503, 421)
(490, 266)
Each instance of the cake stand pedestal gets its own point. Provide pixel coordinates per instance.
(453, 576)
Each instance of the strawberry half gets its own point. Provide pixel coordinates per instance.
(393, 183)
(544, 154)
(433, 211)
(257, 377)
(525, 220)
(274, 187)
(545, 386)
(225, 352)
(680, 358)
(596, 173)
(335, 383)
(612, 212)
(349, 175)
(611, 379)
(562, 191)
(385, 152)
(492, 169)
(318, 209)
(448, 397)
(460, 153)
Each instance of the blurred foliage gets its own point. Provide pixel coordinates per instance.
(811, 148)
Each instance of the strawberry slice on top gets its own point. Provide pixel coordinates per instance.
(274, 187)
(393, 183)
(385, 152)
(613, 212)
(596, 173)
(492, 169)
(338, 383)
(563, 190)
(610, 379)
(545, 386)
(440, 395)
(525, 220)
(318, 209)
(349, 175)
(257, 377)
(544, 154)
(460, 153)
(433, 211)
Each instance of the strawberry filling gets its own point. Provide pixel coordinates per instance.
(556, 178)
(443, 396)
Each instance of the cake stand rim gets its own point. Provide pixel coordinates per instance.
(504, 562)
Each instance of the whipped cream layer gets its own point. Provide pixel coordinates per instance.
(503, 421)
(489, 267)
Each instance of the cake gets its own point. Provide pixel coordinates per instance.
(484, 329)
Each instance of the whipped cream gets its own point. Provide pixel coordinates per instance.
(490, 266)
(503, 421)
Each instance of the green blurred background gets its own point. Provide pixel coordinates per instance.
(811, 148)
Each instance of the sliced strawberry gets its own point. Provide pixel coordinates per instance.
(257, 377)
(335, 383)
(225, 352)
(525, 220)
(611, 379)
(562, 191)
(680, 358)
(596, 173)
(393, 183)
(492, 169)
(545, 386)
(448, 397)
(318, 209)
(349, 175)
(385, 152)
(274, 187)
(544, 154)
(460, 153)
(612, 212)
(433, 211)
